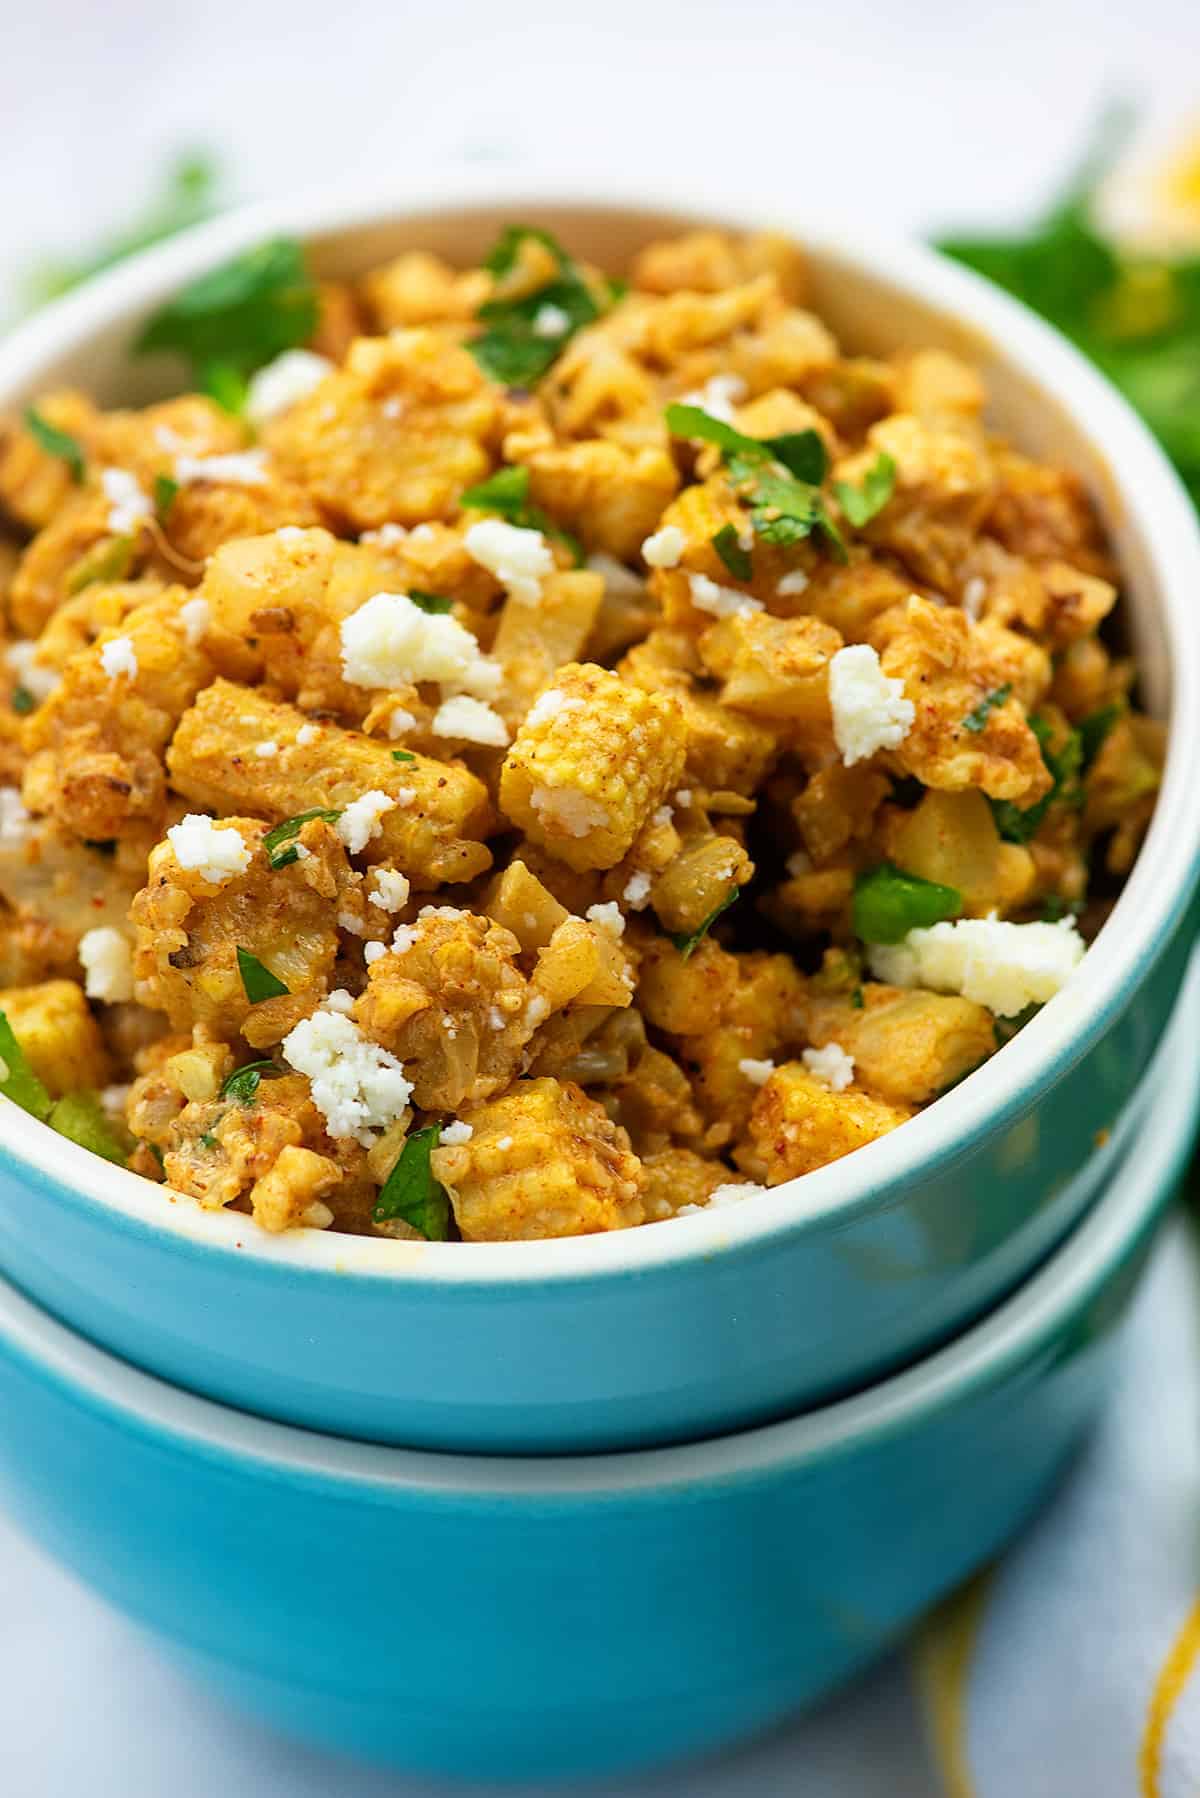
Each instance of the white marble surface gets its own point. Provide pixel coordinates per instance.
(913, 111)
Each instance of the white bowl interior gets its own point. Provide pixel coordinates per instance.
(877, 296)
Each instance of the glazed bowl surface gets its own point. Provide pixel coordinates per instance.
(554, 1617)
(710, 1322)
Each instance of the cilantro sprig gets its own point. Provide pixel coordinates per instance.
(280, 840)
(411, 1191)
(505, 494)
(888, 903)
(258, 982)
(779, 478)
(58, 443)
(18, 1081)
(233, 319)
(733, 553)
(862, 504)
(687, 942)
(430, 602)
(1018, 824)
(523, 337)
(976, 720)
(244, 1082)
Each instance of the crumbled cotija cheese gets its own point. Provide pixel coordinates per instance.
(359, 821)
(664, 548)
(549, 321)
(870, 711)
(266, 749)
(357, 1087)
(400, 723)
(390, 641)
(733, 1192)
(794, 582)
(1003, 966)
(390, 890)
(195, 615)
(282, 382)
(215, 851)
(551, 704)
(453, 1134)
(471, 720)
(718, 396)
(373, 951)
(387, 536)
(117, 657)
(242, 468)
(14, 819)
(569, 810)
(107, 965)
(37, 680)
(830, 1065)
(637, 891)
(607, 918)
(518, 558)
(757, 1072)
(721, 602)
(340, 1000)
(128, 505)
(619, 582)
(308, 733)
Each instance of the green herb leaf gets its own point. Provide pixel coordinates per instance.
(165, 491)
(802, 453)
(58, 443)
(258, 982)
(524, 337)
(430, 602)
(222, 382)
(108, 560)
(888, 903)
(861, 504)
(1055, 908)
(279, 843)
(22, 701)
(411, 1192)
(190, 193)
(977, 720)
(685, 943)
(784, 509)
(403, 755)
(18, 1081)
(1094, 730)
(1019, 825)
(506, 495)
(240, 315)
(694, 422)
(243, 1083)
(82, 1118)
(856, 998)
(728, 546)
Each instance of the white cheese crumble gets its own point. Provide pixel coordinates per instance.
(282, 382)
(37, 680)
(195, 615)
(390, 641)
(390, 891)
(308, 733)
(637, 891)
(870, 711)
(756, 1072)
(14, 819)
(568, 810)
(662, 817)
(214, 851)
(266, 749)
(373, 951)
(387, 536)
(129, 506)
(114, 1100)
(518, 558)
(830, 1065)
(400, 723)
(794, 582)
(683, 797)
(291, 533)
(403, 937)
(607, 918)
(107, 965)
(471, 720)
(549, 321)
(348, 922)
(664, 548)
(356, 1086)
(1003, 966)
(551, 704)
(974, 595)
(117, 657)
(718, 396)
(339, 1000)
(456, 1133)
(721, 602)
(359, 821)
(619, 582)
(243, 468)
(733, 1192)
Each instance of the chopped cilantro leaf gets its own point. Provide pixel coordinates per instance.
(1055, 908)
(856, 998)
(1093, 732)
(222, 382)
(243, 1083)
(693, 421)
(82, 1118)
(506, 494)
(784, 507)
(430, 602)
(802, 453)
(165, 491)
(411, 1192)
(18, 1081)
(55, 442)
(1019, 825)
(861, 504)
(728, 546)
(279, 844)
(888, 903)
(258, 982)
(238, 316)
(403, 755)
(977, 720)
(108, 560)
(523, 337)
(22, 701)
(686, 943)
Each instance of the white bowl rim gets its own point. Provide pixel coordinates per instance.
(983, 1355)
(1149, 906)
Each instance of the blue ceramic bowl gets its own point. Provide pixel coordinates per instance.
(710, 1322)
(553, 1617)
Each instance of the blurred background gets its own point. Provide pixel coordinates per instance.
(917, 113)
